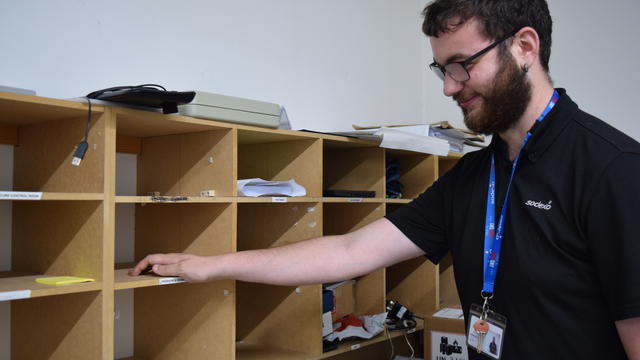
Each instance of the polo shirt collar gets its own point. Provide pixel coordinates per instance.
(546, 132)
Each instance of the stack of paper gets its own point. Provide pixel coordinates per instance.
(457, 138)
(412, 138)
(456, 144)
(398, 139)
(258, 187)
(421, 137)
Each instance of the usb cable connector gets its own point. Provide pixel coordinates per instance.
(78, 155)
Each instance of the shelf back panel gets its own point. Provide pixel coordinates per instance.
(200, 228)
(369, 293)
(280, 316)
(42, 161)
(185, 321)
(412, 283)
(58, 327)
(360, 168)
(8, 135)
(417, 172)
(341, 218)
(300, 160)
(58, 238)
(186, 164)
(269, 225)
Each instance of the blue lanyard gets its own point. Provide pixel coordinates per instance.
(493, 236)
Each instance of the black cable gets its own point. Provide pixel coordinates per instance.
(86, 130)
(97, 93)
(82, 147)
(151, 85)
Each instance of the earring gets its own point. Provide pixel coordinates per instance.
(526, 68)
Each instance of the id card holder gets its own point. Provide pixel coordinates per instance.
(491, 342)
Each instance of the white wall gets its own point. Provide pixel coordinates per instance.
(595, 54)
(331, 63)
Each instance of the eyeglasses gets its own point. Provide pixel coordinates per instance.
(457, 70)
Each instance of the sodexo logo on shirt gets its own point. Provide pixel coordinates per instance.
(539, 205)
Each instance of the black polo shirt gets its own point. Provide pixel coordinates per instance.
(570, 261)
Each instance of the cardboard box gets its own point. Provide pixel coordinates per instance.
(445, 337)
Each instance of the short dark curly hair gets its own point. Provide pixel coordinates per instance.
(498, 18)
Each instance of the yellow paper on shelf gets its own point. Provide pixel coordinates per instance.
(63, 280)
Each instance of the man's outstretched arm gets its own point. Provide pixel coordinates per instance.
(319, 260)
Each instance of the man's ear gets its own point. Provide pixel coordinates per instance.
(526, 47)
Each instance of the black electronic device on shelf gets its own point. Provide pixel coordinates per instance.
(399, 317)
(349, 193)
(149, 95)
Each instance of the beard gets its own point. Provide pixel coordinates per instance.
(505, 102)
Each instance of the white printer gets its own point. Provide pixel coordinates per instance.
(232, 109)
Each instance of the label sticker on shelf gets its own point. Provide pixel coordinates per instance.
(208, 193)
(171, 280)
(20, 195)
(355, 200)
(14, 295)
(355, 347)
(279, 199)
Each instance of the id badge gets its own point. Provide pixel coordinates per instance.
(489, 340)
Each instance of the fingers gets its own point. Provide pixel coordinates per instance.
(154, 259)
(167, 270)
(139, 267)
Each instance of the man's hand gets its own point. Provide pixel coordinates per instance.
(192, 268)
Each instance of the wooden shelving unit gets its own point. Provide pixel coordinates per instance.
(70, 230)
(21, 285)
(255, 352)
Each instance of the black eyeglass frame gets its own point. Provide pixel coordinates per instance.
(441, 70)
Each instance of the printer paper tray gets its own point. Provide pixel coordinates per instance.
(229, 115)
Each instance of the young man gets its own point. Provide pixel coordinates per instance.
(541, 224)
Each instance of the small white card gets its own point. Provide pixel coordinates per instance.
(14, 295)
(171, 280)
(20, 195)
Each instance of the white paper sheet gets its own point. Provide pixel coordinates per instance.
(258, 187)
